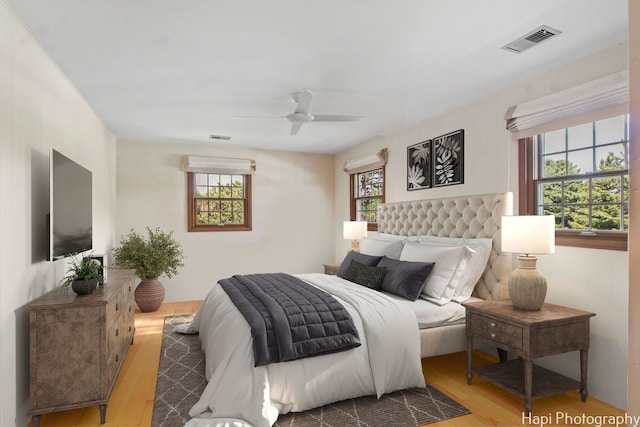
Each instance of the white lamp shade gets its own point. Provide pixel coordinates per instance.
(354, 230)
(528, 234)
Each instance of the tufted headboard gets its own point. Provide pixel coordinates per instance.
(465, 216)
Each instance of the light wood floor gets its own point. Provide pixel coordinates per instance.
(131, 404)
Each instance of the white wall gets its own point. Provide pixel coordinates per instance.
(292, 213)
(593, 280)
(39, 109)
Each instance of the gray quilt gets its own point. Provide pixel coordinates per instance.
(289, 318)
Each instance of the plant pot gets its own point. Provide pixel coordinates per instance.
(149, 295)
(84, 287)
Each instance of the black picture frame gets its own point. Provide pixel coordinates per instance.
(419, 165)
(448, 159)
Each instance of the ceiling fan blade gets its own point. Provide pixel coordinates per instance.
(295, 127)
(304, 102)
(256, 117)
(335, 118)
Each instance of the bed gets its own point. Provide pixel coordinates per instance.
(392, 340)
(466, 217)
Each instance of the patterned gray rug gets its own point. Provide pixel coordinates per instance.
(181, 381)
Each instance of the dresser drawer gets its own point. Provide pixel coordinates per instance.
(497, 331)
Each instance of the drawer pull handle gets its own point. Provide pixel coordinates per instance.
(117, 332)
(117, 357)
(116, 306)
(129, 328)
(493, 335)
(493, 324)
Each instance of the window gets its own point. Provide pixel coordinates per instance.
(580, 174)
(219, 202)
(367, 192)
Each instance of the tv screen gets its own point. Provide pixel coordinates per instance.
(70, 214)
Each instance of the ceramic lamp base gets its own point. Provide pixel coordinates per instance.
(527, 285)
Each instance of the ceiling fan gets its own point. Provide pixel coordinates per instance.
(301, 115)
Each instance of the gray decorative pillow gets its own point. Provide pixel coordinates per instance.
(365, 275)
(356, 256)
(405, 278)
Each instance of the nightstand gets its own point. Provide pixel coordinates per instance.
(528, 335)
(331, 268)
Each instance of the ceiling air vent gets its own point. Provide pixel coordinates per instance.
(531, 39)
(220, 137)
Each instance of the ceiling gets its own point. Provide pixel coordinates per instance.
(179, 71)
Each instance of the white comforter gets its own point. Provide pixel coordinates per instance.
(387, 360)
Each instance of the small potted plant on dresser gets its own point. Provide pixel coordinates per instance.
(83, 276)
(152, 256)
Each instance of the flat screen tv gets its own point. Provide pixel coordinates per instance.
(70, 210)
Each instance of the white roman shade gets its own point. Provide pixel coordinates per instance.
(598, 99)
(366, 163)
(219, 165)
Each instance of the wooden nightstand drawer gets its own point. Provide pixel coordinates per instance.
(496, 331)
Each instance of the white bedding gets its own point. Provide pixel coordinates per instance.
(387, 360)
(431, 315)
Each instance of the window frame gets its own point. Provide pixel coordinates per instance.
(527, 205)
(371, 226)
(193, 226)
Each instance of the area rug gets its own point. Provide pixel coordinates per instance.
(181, 380)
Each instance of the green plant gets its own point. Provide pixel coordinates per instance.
(156, 255)
(83, 268)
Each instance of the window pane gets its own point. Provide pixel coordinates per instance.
(201, 191)
(201, 179)
(606, 190)
(576, 191)
(551, 193)
(610, 130)
(553, 142)
(580, 136)
(554, 165)
(237, 192)
(580, 161)
(605, 217)
(576, 217)
(612, 157)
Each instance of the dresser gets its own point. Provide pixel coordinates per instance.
(528, 335)
(77, 345)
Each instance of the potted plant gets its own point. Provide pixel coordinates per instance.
(152, 256)
(82, 276)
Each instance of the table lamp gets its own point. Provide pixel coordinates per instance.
(354, 231)
(528, 235)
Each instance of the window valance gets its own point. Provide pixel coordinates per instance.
(366, 163)
(219, 165)
(606, 94)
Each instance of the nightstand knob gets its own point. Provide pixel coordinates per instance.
(493, 335)
(493, 325)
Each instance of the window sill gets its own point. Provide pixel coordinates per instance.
(598, 240)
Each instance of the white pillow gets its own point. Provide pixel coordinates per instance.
(481, 247)
(450, 263)
(380, 247)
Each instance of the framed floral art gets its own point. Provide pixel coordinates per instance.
(448, 159)
(419, 162)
